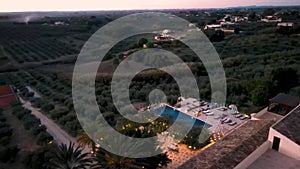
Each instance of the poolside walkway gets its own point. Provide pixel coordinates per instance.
(183, 155)
(214, 120)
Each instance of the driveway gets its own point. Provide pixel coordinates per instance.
(59, 135)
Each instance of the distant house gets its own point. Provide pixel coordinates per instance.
(241, 19)
(228, 26)
(285, 24)
(236, 19)
(271, 19)
(192, 25)
(164, 38)
(128, 52)
(224, 26)
(59, 23)
(213, 26)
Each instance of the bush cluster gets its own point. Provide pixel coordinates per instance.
(7, 152)
(33, 124)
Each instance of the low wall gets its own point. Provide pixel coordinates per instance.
(262, 112)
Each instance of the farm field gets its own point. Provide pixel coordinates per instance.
(23, 43)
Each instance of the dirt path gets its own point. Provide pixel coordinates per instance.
(59, 135)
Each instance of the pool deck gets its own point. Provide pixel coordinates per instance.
(194, 109)
(213, 120)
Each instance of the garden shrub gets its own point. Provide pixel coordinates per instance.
(5, 131)
(38, 129)
(29, 94)
(47, 107)
(39, 158)
(8, 153)
(4, 141)
(43, 138)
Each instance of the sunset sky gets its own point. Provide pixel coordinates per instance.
(80, 5)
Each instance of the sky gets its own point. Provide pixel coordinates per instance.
(84, 5)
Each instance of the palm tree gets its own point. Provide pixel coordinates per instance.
(84, 140)
(111, 161)
(70, 157)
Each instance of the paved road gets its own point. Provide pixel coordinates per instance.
(59, 135)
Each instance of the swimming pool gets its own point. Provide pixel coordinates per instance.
(169, 111)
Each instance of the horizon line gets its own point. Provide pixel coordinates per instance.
(100, 10)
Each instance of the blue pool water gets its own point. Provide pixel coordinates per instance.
(168, 111)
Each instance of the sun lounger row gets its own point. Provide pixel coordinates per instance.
(242, 117)
(228, 121)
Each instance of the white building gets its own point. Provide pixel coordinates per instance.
(285, 24)
(281, 149)
(213, 26)
(269, 141)
(285, 135)
(271, 19)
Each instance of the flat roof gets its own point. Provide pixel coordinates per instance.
(289, 126)
(286, 100)
(272, 159)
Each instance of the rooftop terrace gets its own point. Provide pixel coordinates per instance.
(273, 159)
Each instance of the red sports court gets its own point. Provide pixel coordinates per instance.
(7, 96)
